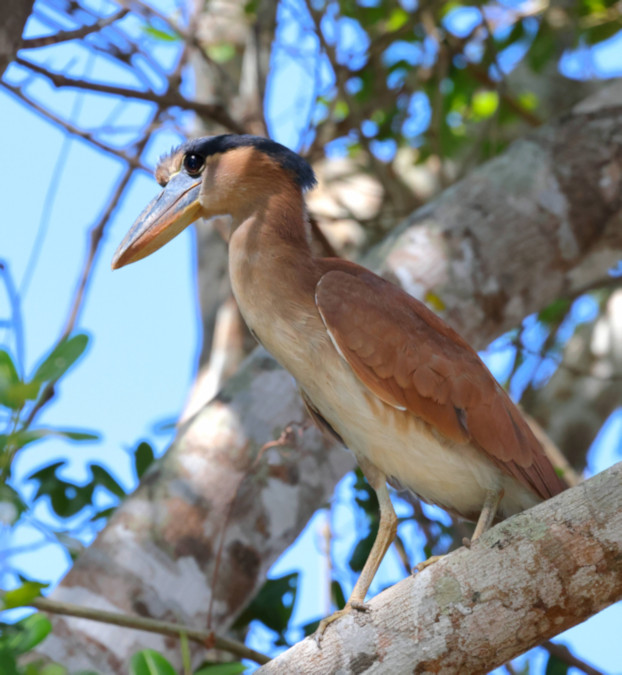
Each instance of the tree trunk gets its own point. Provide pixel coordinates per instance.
(13, 17)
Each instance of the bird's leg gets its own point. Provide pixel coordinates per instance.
(487, 515)
(387, 529)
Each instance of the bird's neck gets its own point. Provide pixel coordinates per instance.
(273, 272)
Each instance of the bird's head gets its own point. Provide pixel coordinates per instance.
(211, 176)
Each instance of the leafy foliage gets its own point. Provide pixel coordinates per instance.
(21, 637)
(273, 606)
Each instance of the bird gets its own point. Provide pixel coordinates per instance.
(376, 368)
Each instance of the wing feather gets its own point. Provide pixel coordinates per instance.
(409, 358)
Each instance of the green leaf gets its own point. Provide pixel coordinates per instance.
(23, 438)
(61, 358)
(337, 595)
(555, 312)
(341, 110)
(104, 513)
(602, 32)
(13, 392)
(31, 631)
(449, 7)
(8, 664)
(67, 499)
(229, 668)
(221, 53)
(23, 595)
(528, 100)
(161, 35)
(11, 505)
(555, 666)
(57, 669)
(102, 477)
(150, 662)
(15, 396)
(361, 551)
(8, 371)
(484, 104)
(143, 458)
(273, 604)
(311, 627)
(397, 19)
(542, 49)
(75, 435)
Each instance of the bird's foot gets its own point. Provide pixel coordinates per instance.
(325, 622)
(466, 542)
(426, 563)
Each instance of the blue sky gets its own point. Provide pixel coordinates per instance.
(143, 319)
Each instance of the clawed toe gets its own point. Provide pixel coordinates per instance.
(324, 623)
(426, 563)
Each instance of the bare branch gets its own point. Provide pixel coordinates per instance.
(171, 98)
(77, 34)
(205, 638)
(70, 128)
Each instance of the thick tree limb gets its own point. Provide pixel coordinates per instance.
(526, 580)
(537, 222)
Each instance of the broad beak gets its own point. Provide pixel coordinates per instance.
(164, 218)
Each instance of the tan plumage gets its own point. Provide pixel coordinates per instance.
(376, 368)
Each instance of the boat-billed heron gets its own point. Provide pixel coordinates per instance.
(376, 368)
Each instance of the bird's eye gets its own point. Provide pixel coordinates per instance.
(193, 164)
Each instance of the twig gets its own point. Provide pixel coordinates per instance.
(170, 98)
(189, 37)
(402, 554)
(16, 317)
(77, 34)
(150, 625)
(95, 236)
(133, 161)
(52, 190)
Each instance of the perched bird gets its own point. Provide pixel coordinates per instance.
(376, 368)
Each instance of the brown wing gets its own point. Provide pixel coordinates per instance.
(411, 359)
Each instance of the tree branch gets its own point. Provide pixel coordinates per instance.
(77, 34)
(132, 160)
(206, 639)
(526, 580)
(171, 98)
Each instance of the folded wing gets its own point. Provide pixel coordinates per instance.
(409, 358)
